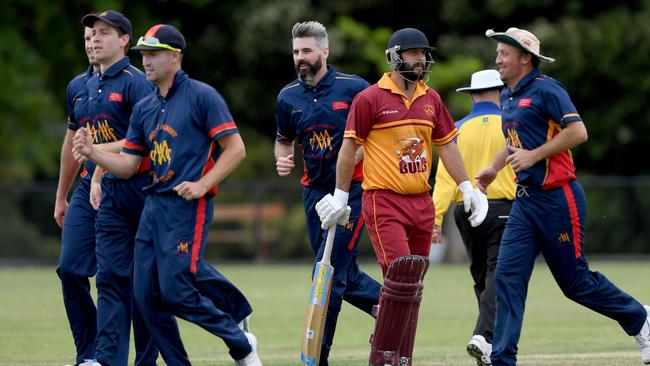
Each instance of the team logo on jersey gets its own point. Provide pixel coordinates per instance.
(524, 102)
(160, 153)
(428, 109)
(412, 156)
(115, 97)
(513, 138)
(101, 131)
(320, 140)
(183, 247)
(337, 106)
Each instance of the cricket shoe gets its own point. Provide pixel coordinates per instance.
(251, 359)
(643, 338)
(480, 349)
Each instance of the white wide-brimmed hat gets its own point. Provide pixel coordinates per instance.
(520, 38)
(483, 80)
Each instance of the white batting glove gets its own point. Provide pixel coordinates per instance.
(333, 209)
(474, 200)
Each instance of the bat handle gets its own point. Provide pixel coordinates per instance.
(329, 243)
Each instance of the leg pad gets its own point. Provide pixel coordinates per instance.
(397, 312)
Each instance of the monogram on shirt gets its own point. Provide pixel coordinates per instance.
(160, 152)
(183, 247)
(320, 140)
(101, 130)
(512, 138)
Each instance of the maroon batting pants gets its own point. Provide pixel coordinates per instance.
(398, 224)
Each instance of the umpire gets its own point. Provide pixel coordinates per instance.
(479, 141)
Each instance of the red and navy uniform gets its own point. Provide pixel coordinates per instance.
(180, 134)
(534, 113)
(111, 97)
(77, 261)
(316, 117)
(548, 216)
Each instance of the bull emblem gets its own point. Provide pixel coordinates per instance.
(412, 156)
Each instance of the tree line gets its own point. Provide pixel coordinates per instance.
(242, 48)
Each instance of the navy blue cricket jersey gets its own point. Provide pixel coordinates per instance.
(180, 132)
(316, 116)
(111, 97)
(76, 104)
(533, 113)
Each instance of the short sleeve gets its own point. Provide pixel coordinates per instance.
(135, 143)
(360, 119)
(219, 121)
(559, 105)
(444, 130)
(69, 107)
(286, 130)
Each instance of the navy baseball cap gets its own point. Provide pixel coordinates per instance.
(161, 37)
(112, 17)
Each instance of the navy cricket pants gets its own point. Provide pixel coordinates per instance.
(76, 264)
(116, 226)
(168, 266)
(349, 282)
(551, 222)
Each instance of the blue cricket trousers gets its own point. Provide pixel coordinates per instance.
(76, 264)
(116, 226)
(551, 222)
(168, 266)
(349, 283)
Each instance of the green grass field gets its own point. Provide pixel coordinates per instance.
(34, 329)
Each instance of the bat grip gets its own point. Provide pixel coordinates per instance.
(329, 243)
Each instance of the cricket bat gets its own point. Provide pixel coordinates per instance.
(319, 300)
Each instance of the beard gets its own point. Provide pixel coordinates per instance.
(308, 74)
(408, 70)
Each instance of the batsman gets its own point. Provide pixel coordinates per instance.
(313, 110)
(398, 120)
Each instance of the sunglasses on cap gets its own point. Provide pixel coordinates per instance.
(155, 42)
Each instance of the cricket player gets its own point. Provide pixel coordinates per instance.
(77, 261)
(314, 109)
(186, 129)
(541, 124)
(112, 94)
(398, 121)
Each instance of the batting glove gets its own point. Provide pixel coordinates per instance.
(474, 200)
(333, 209)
